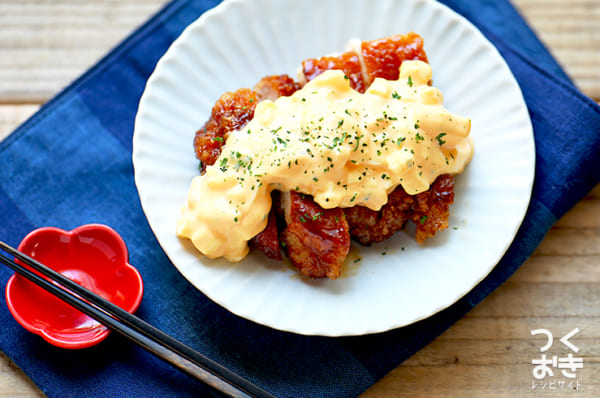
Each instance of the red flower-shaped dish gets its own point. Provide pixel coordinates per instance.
(92, 255)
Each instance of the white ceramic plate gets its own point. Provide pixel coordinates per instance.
(397, 282)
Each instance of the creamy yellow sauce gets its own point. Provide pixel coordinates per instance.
(329, 141)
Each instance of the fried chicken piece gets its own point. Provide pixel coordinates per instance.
(429, 211)
(432, 208)
(376, 58)
(232, 111)
(275, 86)
(268, 240)
(316, 240)
(369, 226)
(383, 57)
(349, 62)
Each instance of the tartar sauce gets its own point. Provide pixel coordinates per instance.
(329, 141)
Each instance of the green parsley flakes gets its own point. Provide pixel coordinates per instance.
(439, 139)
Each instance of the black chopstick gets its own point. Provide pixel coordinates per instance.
(142, 333)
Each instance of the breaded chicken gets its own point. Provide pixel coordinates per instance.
(369, 60)
(316, 240)
(233, 110)
(429, 211)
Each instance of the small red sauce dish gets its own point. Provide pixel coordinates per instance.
(92, 255)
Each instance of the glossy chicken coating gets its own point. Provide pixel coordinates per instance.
(273, 87)
(432, 208)
(377, 58)
(383, 57)
(233, 110)
(349, 62)
(268, 240)
(316, 240)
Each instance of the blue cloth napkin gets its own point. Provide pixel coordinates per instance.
(70, 164)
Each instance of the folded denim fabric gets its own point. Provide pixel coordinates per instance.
(70, 164)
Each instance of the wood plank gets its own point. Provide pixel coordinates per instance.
(571, 241)
(518, 299)
(559, 269)
(34, 30)
(482, 381)
(585, 214)
(47, 44)
(569, 30)
(477, 328)
(475, 352)
(14, 383)
(12, 116)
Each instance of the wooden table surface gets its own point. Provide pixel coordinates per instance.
(45, 44)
